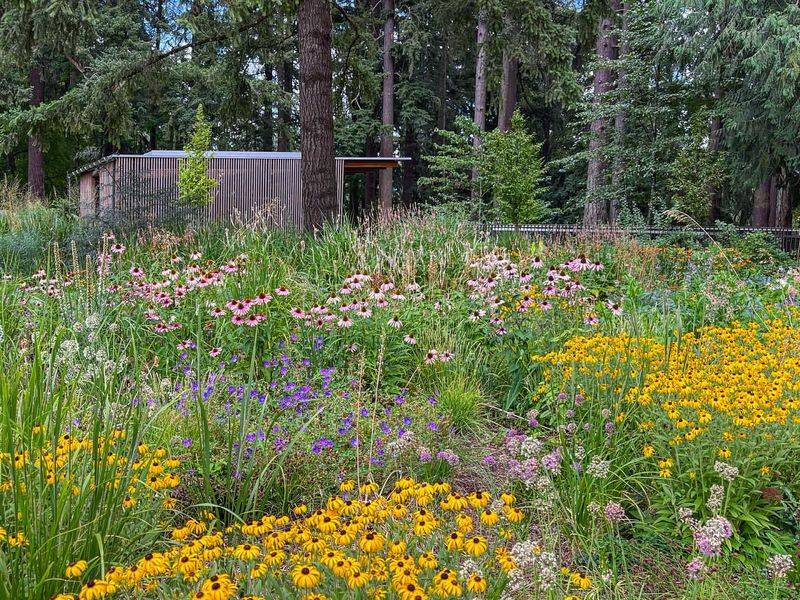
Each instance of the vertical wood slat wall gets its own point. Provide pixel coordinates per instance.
(145, 189)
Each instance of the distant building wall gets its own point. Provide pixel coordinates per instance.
(145, 189)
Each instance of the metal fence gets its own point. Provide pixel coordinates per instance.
(787, 239)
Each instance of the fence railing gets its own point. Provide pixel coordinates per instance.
(787, 238)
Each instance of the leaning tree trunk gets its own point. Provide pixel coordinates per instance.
(35, 156)
(317, 169)
(387, 117)
(596, 210)
(480, 99)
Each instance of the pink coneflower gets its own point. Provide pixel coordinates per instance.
(262, 298)
(412, 287)
(376, 294)
(282, 290)
(431, 356)
(217, 312)
(333, 300)
(410, 340)
(195, 255)
(239, 307)
(476, 314)
(252, 320)
(545, 305)
(395, 322)
(297, 313)
(237, 320)
(615, 308)
(214, 352)
(136, 272)
(382, 303)
(345, 291)
(345, 321)
(537, 262)
(591, 320)
(364, 310)
(446, 356)
(385, 287)
(117, 248)
(398, 297)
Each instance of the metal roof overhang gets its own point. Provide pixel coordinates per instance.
(353, 164)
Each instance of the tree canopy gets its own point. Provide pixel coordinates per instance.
(635, 107)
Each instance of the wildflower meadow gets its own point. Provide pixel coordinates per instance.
(411, 410)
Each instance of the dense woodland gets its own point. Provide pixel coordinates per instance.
(632, 108)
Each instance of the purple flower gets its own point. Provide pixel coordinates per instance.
(186, 442)
(320, 444)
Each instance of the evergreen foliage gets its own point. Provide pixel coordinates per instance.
(195, 186)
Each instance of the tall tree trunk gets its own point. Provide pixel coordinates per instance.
(596, 210)
(508, 91)
(370, 177)
(318, 171)
(35, 155)
(153, 135)
(760, 215)
(480, 99)
(619, 122)
(284, 107)
(268, 119)
(714, 142)
(774, 193)
(387, 120)
(409, 169)
(441, 86)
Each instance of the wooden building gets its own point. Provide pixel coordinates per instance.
(250, 185)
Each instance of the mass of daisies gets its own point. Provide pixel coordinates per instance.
(411, 410)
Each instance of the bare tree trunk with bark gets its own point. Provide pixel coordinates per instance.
(318, 171)
(409, 169)
(760, 215)
(714, 142)
(35, 155)
(596, 210)
(441, 91)
(284, 108)
(387, 117)
(508, 91)
(618, 172)
(480, 98)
